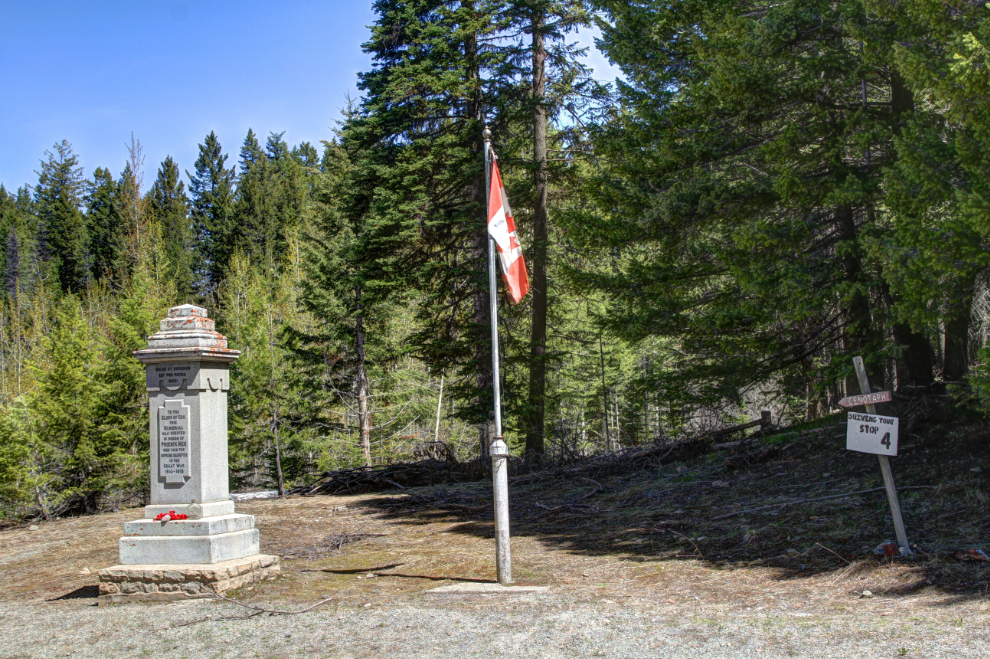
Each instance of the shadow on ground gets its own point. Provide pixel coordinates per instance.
(772, 515)
(85, 592)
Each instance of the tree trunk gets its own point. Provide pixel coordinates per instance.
(41, 504)
(901, 97)
(273, 392)
(646, 401)
(956, 362)
(914, 365)
(618, 429)
(856, 306)
(479, 253)
(436, 430)
(956, 348)
(363, 425)
(601, 354)
(538, 251)
(278, 461)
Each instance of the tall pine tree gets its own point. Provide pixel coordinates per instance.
(938, 191)
(168, 211)
(744, 181)
(211, 189)
(418, 145)
(58, 201)
(271, 200)
(106, 226)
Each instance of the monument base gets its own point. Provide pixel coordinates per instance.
(163, 583)
(189, 541)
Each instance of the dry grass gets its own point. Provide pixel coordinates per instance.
(648, 535)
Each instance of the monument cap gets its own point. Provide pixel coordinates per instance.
(187, 334)
(187, 310)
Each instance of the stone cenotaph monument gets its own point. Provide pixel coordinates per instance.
(191, 543)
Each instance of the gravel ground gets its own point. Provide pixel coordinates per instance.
(551, 624)
(630, 575)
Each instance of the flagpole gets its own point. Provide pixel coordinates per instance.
(498, 451)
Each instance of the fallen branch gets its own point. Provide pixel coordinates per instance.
(841, 558)
(791, 503)
(598, 487)
(696, 547)
(331, 543)
(582, 508)
(257, 611)
(746, 459)
(273, 611)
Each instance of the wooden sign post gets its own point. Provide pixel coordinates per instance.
(877, 425)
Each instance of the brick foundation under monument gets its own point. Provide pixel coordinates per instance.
(165, 583)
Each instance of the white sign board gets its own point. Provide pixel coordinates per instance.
(872, 433)
(866, 399)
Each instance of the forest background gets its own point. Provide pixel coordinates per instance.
(768, 190)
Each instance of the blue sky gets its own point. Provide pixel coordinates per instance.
(171, 71)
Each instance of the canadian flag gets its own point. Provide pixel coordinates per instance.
(502, 229)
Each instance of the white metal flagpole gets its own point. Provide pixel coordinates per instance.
(498, 451)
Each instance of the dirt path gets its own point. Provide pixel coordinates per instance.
(625, 594)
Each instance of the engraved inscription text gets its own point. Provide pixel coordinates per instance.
(172, 376)
(173, 441)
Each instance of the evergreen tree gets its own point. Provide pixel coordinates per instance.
(307, 155)
(16, 482)
(62, 226)
(122, 408)
(10, 223)
(168, 212)
(442, 70)
(212, 191)
(272, 193)
(939, 191)
(23, 229)
(744, 180)
(355, 324)
(64, 408)
(557, 81)
(7, 205)
(106, 226)
(309, 159)
(12, 265)
(418, 148)
(268, 407)
(251, 151)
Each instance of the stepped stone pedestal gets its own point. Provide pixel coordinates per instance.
(214, 549)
